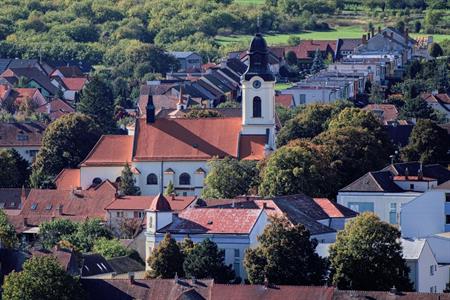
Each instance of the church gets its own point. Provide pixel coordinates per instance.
(162, 149)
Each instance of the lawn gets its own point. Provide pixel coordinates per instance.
(339, 32)
(282, 86)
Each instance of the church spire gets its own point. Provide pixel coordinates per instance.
(258, 59)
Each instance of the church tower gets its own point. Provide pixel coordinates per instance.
(258, 93)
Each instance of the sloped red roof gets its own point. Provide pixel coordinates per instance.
(187, 139)
(17, 134)
(279, 292)
(307, 46)
(214, 220)
(63, 256)
(251, 147)
(110, 150)
(58, 108)
(21, 94)
(389, 111)
(413, 178)
(333, 209)
(444, 98)
(68, 179)
(284, 100)
(75, 205)
(75, 83)
(175, 203)
(3, 89)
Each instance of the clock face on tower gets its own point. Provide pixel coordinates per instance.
(256, 84)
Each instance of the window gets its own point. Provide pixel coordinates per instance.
(393, 213)
(236, 253)
(150, 222)
(237, 269)
(49, 207)
(411, 186)
(447, 197)
(138, 214)
(22, 137)
(361, 206)
(431, 270)
(185, 179)
(447, 219)
(119, 214)
(33, 206)
(184, 194)
(152, 179)
(33, 153)
(96, 181)
(257, 107)
(302, 98)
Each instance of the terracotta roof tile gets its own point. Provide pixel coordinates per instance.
(333, 209)
(251, 147)
(385, 112)
(307, 47)
(68, 179)
(284, 100)
(17, 134)
(187, 139)
(214, 220)
(74, 84)
(63, 256)
(159, 202)
(110, 150)
(57, 107)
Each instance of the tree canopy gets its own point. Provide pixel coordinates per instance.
(127, 183)
(14, 169)
(109, 248)
(286, 256)
(42, 278)
(367, 255)
(166, 259)
(8, 237)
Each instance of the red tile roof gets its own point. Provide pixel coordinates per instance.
(306, 47)
(76, 205)
(3, 89)
(63, 256)
(332, 209)
(74, 84)
(175, 203)
(430, 98)
(281, 292)
(187, 139)
(16, 134)
(58, 108)
(251, 147)
(110, 150)
(284, 100)
(214, 221)
(388, 111)
(68, 179)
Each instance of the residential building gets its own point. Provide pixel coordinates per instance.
(11, 199)
(66, 258)
(385, 192)
(306, 50)
(385, 113)
(11, 98)
(40, 65)
(34, 78)
(177, 149)
(347, 47)
(24, 137)
(55, 109)
(438, 101)
(189, 61)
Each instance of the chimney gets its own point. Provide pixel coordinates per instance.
(264, 205)
(266, 282)
(373, 31)
(23, 195)
(420, 173)
(379, 29)
(364, 39)
(175, 279)
(59, 209)
(172, 196)
(150, 110)
(25, 221)
(180, 104)
(49, 108)
(131, 277)
(406, 173)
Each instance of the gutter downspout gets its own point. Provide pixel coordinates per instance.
(161, 189)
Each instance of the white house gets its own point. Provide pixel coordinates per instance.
(161, 150)
(439, 102)
(385, 192)
(233, 229)
(426, 274)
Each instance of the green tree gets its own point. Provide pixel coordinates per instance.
(417, 26)
(400, 26)
(42, 278)
(52, 232)
(299, 167)
(308, 123)
(87, 233)
(416, 108)
(65, 143)
(127, 184)
(97, 101)
(166, 259)
(14, 170)
(435, 50)
(428, 143)
(229, 178)
(198, 113)
(367, 255)
(229, 104)
(206, 260)
(109, 248)
(294, 41)
(376, 94)
(317, 63)
(285, 255)
(170, 189)
(291, 58)
(8, 238)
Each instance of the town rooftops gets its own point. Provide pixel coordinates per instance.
(349, 44)
(68, 179)
(16, 134)
(443, 99)
(68, 71)
(110, 150)
(176, 203)
(11, 198)
(13, 75)
(214, 221)
(261, 292)
(306, 48)
(74, 83)
(56, 108)
(333, 209)
(384, 112)
(63, 256)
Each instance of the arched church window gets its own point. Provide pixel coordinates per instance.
(185, 179)
(152, 179)
(257, 107)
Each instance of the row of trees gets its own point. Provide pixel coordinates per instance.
(367, 255)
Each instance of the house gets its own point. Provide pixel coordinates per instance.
(232, 229)
(376, 69)
(385, 192)
(385, 113)
(189, 61)
(55, 109)
(438, 101)
(11, 199)
(66, 258)
(306, 50)
(347, 47)
(426, 274)
(72, 87)
(67, 179)
(34, 78)
(305, 93)
(285, 100)
(11, 98)
(433, 207)
(24, 137)
(42, 66)
(177, 149)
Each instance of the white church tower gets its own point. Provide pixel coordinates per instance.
(258, 93)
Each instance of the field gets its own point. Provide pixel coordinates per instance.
(338, 32)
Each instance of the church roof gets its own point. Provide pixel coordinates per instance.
(259, 60)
